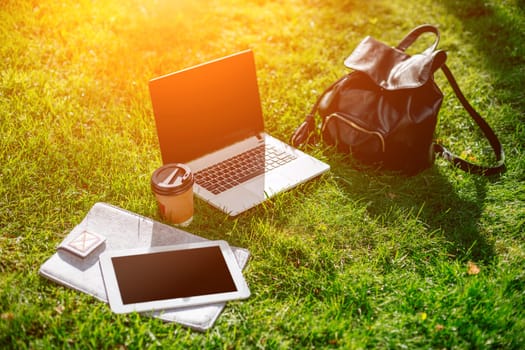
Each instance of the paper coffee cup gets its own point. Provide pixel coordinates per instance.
(172, 185)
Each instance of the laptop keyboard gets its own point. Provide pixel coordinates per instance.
(243, 167)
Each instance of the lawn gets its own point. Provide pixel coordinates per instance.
(357, 258)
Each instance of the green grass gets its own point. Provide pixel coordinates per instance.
(355, 259)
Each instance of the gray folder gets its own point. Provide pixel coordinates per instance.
(122, 230)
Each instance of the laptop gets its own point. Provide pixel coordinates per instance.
(209, 117)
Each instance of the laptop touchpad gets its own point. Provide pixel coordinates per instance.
(268, 184)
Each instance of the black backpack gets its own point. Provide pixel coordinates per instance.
(385, 111)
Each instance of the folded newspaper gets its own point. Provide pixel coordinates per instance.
(121, 229)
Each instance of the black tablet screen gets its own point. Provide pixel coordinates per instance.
(172, 274)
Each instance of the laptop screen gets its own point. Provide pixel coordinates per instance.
(206, 107)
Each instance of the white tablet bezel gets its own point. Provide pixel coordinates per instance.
(113, 290)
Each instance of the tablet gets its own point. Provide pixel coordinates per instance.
(175, 276)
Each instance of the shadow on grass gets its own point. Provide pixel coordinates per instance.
(432, 198)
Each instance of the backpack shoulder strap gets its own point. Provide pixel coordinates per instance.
(464, 165)
(415, 33)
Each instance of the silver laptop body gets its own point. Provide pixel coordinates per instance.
(211, 113)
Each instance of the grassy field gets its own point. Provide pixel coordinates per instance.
(354, 259)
